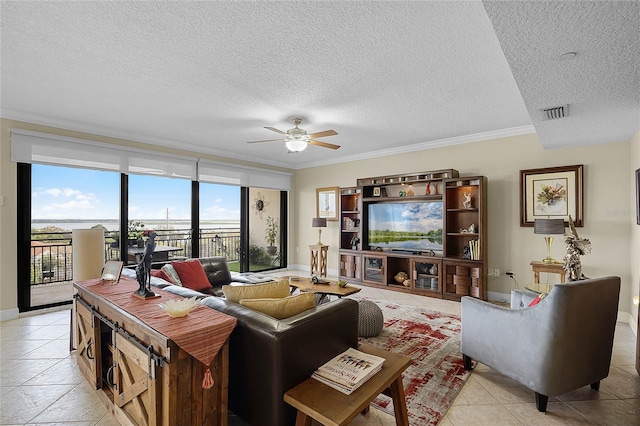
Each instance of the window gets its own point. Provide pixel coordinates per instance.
(266, 221)
(163, 205)
(220, 223)
(63, 199)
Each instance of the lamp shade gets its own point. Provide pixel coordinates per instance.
(548, 226)
(319, 222)
(88, 253)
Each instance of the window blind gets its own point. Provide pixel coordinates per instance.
(44, 148)
(216, 172)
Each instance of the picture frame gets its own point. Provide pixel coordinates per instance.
(552, 192)
(638, 196)
(376, 191)
(112, 270)
(327, 203)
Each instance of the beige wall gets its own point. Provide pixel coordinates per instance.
(635, 234)
(511, 247)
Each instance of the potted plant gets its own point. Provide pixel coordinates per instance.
(271, 233)
(136, 228)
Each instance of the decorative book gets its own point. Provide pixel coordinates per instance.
(349, 370)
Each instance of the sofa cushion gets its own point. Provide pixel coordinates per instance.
(192, 274)
(282, 307)
(217, 270)
(171, 273)
(276, 289)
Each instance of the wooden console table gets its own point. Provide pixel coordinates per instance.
(319, 259)
(315, 400)
(148, 368)
(550, 268)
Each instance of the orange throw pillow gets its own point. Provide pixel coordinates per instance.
(192, 274)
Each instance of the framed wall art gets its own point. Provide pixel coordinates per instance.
(327, 203)
(553, 192)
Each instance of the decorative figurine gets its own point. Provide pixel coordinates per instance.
(143, 270)
(467, 200)
(354, 243)
(576, 247)
(410, 192)
(470, 230)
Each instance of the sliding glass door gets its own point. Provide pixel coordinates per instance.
(220, 232)
(246, 225)
(267, 222)
(63, 199)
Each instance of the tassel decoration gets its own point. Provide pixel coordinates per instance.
(207, 382)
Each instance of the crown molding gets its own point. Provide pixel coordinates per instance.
(438, 143)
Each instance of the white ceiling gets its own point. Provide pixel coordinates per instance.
(387, 76)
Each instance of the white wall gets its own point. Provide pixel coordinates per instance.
(511, 247)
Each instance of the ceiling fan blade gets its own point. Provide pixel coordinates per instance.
(323, 134)
(323, 144)
(266, 140)
(273, 129)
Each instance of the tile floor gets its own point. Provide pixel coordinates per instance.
(40, 382)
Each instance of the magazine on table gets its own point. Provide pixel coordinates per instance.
(349, 370)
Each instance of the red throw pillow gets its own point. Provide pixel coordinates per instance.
(159, 273)
(535, 301)
(192, 274)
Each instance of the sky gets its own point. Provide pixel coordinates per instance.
(74, 193)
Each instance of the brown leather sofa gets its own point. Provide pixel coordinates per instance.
(267, 356)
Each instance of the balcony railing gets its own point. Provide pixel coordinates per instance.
(52, 253)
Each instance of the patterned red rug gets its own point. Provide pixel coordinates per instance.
(436, 375)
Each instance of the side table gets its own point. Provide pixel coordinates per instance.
(330, 407)
(550, 268)
(319, 259)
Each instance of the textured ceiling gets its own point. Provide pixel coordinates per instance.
(387, 76)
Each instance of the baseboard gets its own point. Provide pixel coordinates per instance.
(331, 273)
(9, 314)
(627, 318)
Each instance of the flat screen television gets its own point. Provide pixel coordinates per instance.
(414, 226)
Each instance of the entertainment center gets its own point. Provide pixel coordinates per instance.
(422, 233)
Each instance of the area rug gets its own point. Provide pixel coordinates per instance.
(436, 374)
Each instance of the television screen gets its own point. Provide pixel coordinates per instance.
(410, 226)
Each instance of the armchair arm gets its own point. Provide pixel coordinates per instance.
(513, 341)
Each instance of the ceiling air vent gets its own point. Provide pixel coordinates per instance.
(555, 113)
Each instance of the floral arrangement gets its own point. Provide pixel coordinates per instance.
(550, 194)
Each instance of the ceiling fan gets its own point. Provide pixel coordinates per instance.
(297, 139)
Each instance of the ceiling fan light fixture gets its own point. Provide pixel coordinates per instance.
(296, 145)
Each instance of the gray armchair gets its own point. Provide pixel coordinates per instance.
(562, 343)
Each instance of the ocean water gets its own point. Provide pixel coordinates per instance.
(113, 225)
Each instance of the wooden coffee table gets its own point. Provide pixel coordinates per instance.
(315, 400)
(329, 289)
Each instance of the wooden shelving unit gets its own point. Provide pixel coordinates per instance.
(459, 270)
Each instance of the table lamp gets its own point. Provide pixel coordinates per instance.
(319, 222)
(548, 227)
